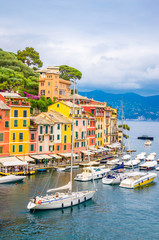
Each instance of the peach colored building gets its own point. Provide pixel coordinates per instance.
(51, 85)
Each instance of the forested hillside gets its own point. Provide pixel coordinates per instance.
(16, 75)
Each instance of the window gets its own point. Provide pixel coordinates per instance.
(58, 126)
(6, 124)
(51, 137)
(53, 148)
(13, 148)
(65, 139)
(58, 137)
(65, 147)
(81, 144)
(32, 147)
(1, 149)
(15, 123)
(42, 84)
(24, 123)
(48, 83)
(13, 136)
(41, 130)
(83, 123)
(51, 130)
(50, 148)
(65, 127)
(32, 136)
(58, 147)
(76, 122)
(46, 129)
(15, 113)
(77, 103)
(24, 113)
(58, 105)
(43, 92)
(6, 113)
(92, 111)
(41, 138)
(83, 135)
(20, 136)
(20, 148)
(40, 149)
(76, 135)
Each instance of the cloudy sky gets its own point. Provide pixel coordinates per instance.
(114, 43)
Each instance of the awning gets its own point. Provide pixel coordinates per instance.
(87, 152)
(12, 161)
(67, 155)
(45, 156)
(39, 157)
(55, 156)
(92, 148)
(26, 158)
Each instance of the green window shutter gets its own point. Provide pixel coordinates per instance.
(13, 148)
(32, 147)
(15, 123)
(41, 130)
(20, 148)
(6, 124)
(51, 129)
(24, 123)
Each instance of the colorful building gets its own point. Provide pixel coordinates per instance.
(80, 122)
(19, 123)
(4, 128)
(53, 132)
(51, 85)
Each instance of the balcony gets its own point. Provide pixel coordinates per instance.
(18, 103)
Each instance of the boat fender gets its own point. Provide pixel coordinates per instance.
(78, 200)
(39, 202)
(71, 203)
(85, 199)
(62, 205)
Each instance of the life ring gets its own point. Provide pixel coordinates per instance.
(39, 202)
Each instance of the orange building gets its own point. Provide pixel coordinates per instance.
(51, 85)
(4, 128)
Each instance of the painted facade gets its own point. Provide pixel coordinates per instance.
(19, 123)
(4, 128)
(51, 85)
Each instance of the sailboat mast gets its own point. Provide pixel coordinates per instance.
(73, 115)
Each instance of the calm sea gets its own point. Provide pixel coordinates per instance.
(114, 213)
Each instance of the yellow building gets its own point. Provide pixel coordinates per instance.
(19, 123)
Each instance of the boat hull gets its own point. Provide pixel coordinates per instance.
(11, 179)
(60, 203)
(140, 182)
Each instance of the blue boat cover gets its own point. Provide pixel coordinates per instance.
(118, 167)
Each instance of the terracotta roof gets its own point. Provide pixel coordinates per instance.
(3, 106)
(51, 117)
(11, 95)
(77, 97)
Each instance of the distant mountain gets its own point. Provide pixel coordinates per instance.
(134, 106)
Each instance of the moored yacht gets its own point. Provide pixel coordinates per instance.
(137, 179)
(150, 165)
(11, 179)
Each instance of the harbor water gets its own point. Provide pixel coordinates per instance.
(114, 213)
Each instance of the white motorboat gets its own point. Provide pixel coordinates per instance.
(92, 173)
(148, 143)
(62, 197)
(137, 179)
(141, 156)
(114, 178)
(60, 169)
(150, 157)
(11, 178)
(132, 163)
(150, 165)
(126, 157)
(112, 162)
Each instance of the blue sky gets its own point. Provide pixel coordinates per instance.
(114, 43)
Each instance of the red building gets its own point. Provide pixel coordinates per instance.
(4, 129)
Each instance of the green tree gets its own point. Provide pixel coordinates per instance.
(30, 57)
(15, 75)
(124, 127)
(69, 73)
